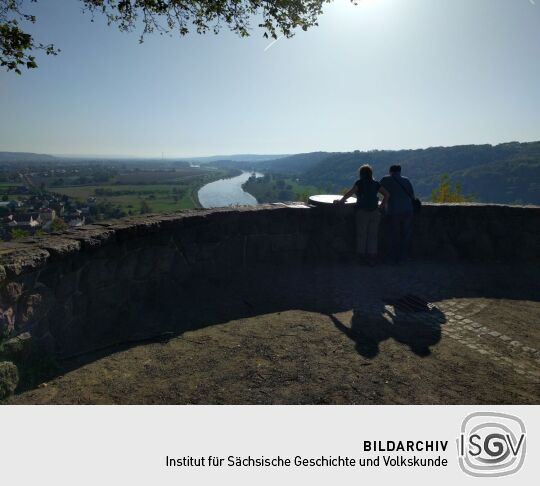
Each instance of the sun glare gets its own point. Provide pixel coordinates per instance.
(347, 4)
(364, 7)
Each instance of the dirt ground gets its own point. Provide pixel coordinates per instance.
(329, 336)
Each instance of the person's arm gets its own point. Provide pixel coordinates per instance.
(348, 194)
(386, 196)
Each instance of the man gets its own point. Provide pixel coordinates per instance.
(400, 213)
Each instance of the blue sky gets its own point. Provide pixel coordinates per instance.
(386, 74)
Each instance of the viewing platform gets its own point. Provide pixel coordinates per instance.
(265, 304)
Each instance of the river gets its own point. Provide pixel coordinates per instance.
(226, 192)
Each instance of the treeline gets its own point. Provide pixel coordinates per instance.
(506, 173)
(269, 188)
(275, 187)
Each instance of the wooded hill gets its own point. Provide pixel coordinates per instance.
(505, 173)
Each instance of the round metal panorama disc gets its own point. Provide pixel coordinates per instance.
(324, 199)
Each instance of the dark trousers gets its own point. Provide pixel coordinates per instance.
(399, 235)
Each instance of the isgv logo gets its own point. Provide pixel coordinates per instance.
(491, 444)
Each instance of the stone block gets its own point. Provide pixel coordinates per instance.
(164, 260)
(180, 269)
(99, 272)
(11, 292)
(67, 284)
(17, 348)
(9, 379)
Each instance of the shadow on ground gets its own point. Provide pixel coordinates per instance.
(327, 290)
(411, 329)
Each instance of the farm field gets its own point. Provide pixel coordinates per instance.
(8, 185)
(158, 176)
(147, 191)
(160, 198)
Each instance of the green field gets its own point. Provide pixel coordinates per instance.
(166, 195)
(160, 197)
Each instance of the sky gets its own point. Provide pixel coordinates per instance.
(385, 74)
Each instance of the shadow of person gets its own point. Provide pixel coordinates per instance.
(419, 330)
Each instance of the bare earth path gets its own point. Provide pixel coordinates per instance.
(332, 334)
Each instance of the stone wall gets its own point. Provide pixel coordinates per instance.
(109, 283)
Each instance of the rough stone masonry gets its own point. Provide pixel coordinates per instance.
(103, 284)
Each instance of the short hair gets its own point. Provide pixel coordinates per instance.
(395, 168)
(365, 172)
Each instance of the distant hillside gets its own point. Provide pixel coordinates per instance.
(295, 164)
(6, 157)
(31, 157)
(506, 173)
(286, 165)
(235, 158)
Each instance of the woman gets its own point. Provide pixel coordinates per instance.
(367, 215)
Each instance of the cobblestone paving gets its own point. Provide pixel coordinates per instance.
(457, 322)
(472, 288)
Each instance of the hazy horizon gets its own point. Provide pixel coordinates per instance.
(244, 154)
(384, 75)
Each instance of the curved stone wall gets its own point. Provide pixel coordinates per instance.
(103, 284)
